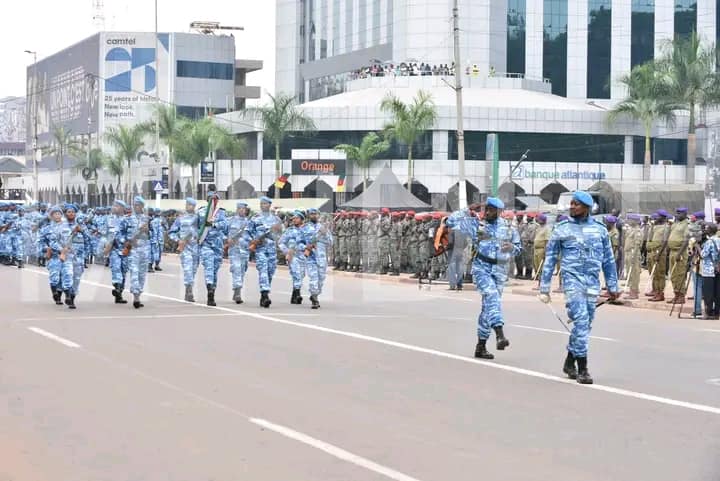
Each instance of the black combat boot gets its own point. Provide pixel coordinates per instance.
(237, 295)
(211, 295)
(150, 268)
(265, 299)
(315, 302)
(481, 351)
(500, 338)
(343, 266)
(294, 296)
(157, 267)
(117, 292)
(70, 301)
(569, 366)
(20, 263)
(189, 297)
(56, 295)
(583, 376)
(136, 301)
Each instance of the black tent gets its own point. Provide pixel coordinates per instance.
(386, 191)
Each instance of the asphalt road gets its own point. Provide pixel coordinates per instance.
(378, 384)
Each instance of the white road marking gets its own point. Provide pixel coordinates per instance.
(333, 450)
(714, 382)
(564, 333)
(709, 330)
(52, 336)
(446, 355)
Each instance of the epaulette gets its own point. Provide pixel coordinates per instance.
(562, 222)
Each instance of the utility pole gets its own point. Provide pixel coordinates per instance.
(157, 99)
(462, 188)
(34, 111)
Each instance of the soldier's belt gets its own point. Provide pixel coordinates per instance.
(490, 260)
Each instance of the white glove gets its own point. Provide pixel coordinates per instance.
(544, 298)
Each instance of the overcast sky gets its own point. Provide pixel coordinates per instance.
(47, 26)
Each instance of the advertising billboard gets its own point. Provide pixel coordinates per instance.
(131, 78)
(63, 91)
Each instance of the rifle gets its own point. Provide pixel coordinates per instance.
(232, 240)
(183, 242)
(261, 238)
(133, 240)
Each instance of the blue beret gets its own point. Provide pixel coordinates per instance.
(583, 198)
(298, 213)
(681, 210)
(636, 217)
(53, 209)
(138, 200)
(699, 214)
(495, 202)
(265, 198)
(191, 201)
(717, 210)
(542, 218)
(662, 213)
(312, 210)
(21, 208)
(240, 205)
(610, 219)
(655, 216)
(120, 203)
(69, 206)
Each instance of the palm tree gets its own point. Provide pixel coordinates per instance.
(127, 141)
(63, 144)
(692, 83)
(170, 130)
(646, 101)
(409, 121)
(231, 147)
(363, 155)
(280, 117)
(115, 166)
(95, 160)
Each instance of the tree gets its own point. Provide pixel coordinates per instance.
(231, 147)
(117, 169)
(63, 144)
(127, 141)
(170, 131)
(646, 101)
(409, 121)
(689, 73)
(370, 147)
(280, 117)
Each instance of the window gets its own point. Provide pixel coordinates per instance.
(349, 26)
(207, 70)
(599, 45)
(673, 150)
(363, 28)
(643, 32)
(555, 44)
(336, 28)
(516, 16)
(313, 32)
(324, 29)
(376, 23)
(685, 17)
(196, 113)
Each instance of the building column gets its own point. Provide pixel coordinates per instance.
(534, 40)
(342, 30)
(628, 156)
(706, 28)
(664, 24)
(384, 21)
(621, 43)
(577, 49)
(440, 145)
(356, 24)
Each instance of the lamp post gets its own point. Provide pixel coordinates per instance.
(34, 111)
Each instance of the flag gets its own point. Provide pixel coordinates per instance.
(281, 181)
(340, 184)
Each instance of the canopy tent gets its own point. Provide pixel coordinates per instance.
(386, 191)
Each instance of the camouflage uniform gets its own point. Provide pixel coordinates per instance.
(527, 237)
(633, 235)
(677, 243)
(396, 240)
(385, 227)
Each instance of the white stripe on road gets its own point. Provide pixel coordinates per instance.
(52, 336)
(333, 450)
(709, 330)
(442, 354)
(564, 333)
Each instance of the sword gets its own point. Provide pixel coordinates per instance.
(557, 316)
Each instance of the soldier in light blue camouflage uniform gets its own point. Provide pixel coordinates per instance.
(75, 246)
(237, 248)
(114, 249)
(184, 231)
(211, 248)
(52, 240)
(584, 245)
(292, 243)
(136, 233)
(495, 244)
(320, 239)
(260, 235)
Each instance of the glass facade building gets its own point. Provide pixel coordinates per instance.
(599, 48)
(685, 17)
(516, 18)
(555, 44)
(642, 32)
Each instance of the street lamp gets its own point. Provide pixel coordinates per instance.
(34, 111)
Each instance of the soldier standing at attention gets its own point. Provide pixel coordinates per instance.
(677, 243)
(527, 237)
(633, 236)
(384, 229)
(520, 226)
(657, 250)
